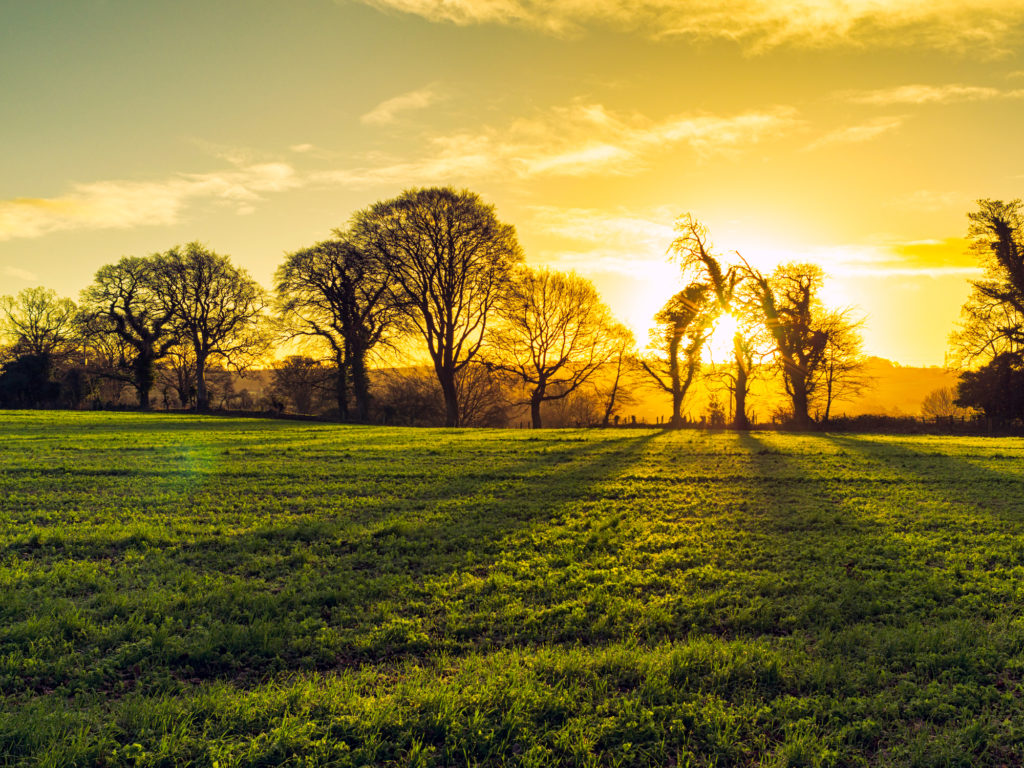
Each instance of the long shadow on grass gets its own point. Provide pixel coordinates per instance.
(951, 472)
(827, 565)
(313, 592)
(900, 633)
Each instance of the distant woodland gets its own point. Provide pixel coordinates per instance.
(421, 311)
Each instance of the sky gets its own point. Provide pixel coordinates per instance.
(856, 134)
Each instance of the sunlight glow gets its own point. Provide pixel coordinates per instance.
(719, 348)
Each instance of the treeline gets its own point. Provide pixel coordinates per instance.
(422, 311)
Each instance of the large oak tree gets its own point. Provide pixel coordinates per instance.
(449, 259)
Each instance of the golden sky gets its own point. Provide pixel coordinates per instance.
(854, 134)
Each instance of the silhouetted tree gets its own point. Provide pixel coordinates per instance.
(844, 367)
(682, 328)
(449, 259)
(552, 334)
(178, 375)
(26, 381)
(217, 309)
(617, 378)
(996, 389)
(341, 295)
(125, 301)
(483, 397)
(789, 301)
(299, 379)
(941, 404)
(992, 319)
(38, 322)
(693, 251)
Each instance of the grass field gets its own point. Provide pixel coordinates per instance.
(200, 591)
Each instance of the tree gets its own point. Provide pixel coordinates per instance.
(552, 335)
(792, 310)
(843, 374)
(682, 328)
(941, 404)
(299, 379)
(341, 295)
(125, 301)
(615, 383)
(992, 319)
(692, 249)
(450, 261)
(216, 308)
(996, 388)
(38, 322)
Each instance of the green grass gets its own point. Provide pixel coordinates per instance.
(201, 591)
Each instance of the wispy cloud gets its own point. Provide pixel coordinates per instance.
(389, 110)
(755, 23)
(21, 274)
(122, 203)
(577, 140)
(928, 94)
(858, 134)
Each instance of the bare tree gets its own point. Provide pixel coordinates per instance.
(553, 334)
(178, 375)
(38, 322)
(339, 294)
(483, 397)
(124, 302)
(682, 328)
(941, 404)
(692, 249)
(843, 370)
(217, 310)
(789, 301)
(300, 380)
(615, 382)
(449, 259)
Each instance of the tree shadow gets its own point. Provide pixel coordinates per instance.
(391, 570)
(971, 473)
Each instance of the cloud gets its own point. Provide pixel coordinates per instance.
(928, 94)
(21, 274)
(857, 134)
(388, 111)
(576, 140)
(757, 24)
(122, 204)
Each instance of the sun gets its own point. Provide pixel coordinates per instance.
(719, 348)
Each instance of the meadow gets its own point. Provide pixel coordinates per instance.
(182, 590)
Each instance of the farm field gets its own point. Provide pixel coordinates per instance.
(201, 591)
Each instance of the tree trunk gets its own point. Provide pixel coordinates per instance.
(451, 397)
(341, 391)
(361, 386)
(535, 400)
(144, 379)
(801, 417)
(677, 407)
(740, 420)
(610, 405)
(828, 398)
(202, 393)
